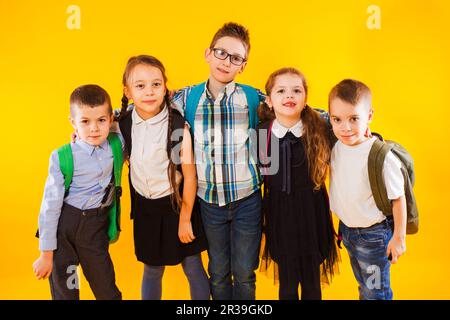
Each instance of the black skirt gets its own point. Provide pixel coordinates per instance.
(156, 239)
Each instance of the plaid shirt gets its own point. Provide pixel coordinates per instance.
(226, 169)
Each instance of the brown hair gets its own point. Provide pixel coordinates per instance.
(90, 95)
(350, 91)
(172, 168)
(233, 30)
(314, 130)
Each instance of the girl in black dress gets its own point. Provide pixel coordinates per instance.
(294, 156)
(167, 224)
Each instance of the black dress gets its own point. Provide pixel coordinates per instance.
(297, 219)
(156, 221)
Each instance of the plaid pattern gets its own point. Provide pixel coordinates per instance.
(227, 171)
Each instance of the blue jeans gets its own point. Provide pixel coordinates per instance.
(367, 250)
(234, 235)
(194, 271)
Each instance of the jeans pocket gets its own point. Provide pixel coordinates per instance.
(372, 238)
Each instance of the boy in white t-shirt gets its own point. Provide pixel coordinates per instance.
(366, 231)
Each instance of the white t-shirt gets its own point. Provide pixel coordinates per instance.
(149, 160)
(351, 197)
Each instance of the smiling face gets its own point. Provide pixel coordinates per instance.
(92, 123)
(287, 96)
(350, 122)
(223, 71)
(146, 87)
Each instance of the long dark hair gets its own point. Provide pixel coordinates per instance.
(172, 168)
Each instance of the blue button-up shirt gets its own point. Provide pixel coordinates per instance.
(93, 168)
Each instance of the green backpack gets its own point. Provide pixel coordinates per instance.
(66, 165)
(377, 154)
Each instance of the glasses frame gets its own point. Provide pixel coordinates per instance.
(228, 55)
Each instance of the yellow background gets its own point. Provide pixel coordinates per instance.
(405, 64)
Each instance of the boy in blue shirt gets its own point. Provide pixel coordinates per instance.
(228, 178)
(73, 225)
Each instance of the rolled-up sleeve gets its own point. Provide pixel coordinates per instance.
(393, 177)
(178, 101)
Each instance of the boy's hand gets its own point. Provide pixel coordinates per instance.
(44, 265)
(185, 232)
(396, 248)
(73, 137)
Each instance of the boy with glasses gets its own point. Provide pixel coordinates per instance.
(221, 114)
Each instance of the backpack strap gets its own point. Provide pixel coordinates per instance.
(174, 143)
(192, 101)
(377, 155)
(65, 157)
(116, 147)
(114, 210)
(269, 135)
(125, 125)
(253, 103)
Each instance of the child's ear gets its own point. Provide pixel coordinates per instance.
(72, 122)
(243, 67)
(126, 92)
(208, 55)
(371, 111)
(268, 102)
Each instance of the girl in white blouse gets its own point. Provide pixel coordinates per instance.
(167, 224)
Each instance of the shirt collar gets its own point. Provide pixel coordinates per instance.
(280, 131)
(90, 148)
(153, 120)
(228, 89)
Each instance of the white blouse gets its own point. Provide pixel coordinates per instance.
(149, 160)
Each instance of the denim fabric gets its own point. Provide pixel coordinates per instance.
(234, 235)
(367, 249)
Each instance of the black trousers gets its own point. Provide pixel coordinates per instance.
(83, 239)
(306, 273)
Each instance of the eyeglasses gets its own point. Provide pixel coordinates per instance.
(223, 55)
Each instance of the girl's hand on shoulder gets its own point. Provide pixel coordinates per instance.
(185, 232)
(368, 133)
(73, 137)
(43, 266)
